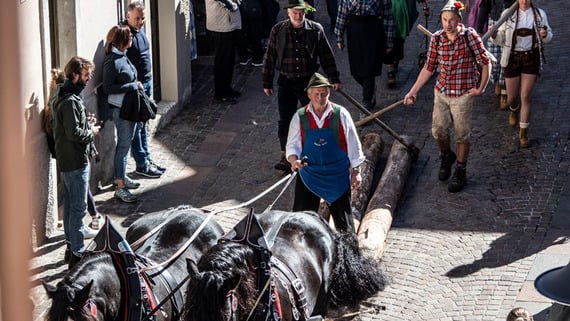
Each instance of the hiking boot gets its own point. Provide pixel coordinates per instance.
(523, 138)
(257, 63)
(148, 171)
(503, 102)
(513, 116)
(459, 180)
(125, 195)
(96, 221)
(129, 183)
(445, 168)
(283, 165)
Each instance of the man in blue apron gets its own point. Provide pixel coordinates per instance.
(324, 134)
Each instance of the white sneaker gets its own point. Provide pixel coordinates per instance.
(96, 222)
(88, 233)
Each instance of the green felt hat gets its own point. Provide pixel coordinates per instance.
(318, 80)
(299, 4)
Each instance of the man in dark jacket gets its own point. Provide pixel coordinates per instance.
(296, 48)
(73, 134)
(139, 55)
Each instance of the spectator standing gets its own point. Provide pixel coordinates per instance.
(296, 47)
(472, 7)
(369, 26)
(522, 37)
(455, 52)
(120, 77)
(251, 48)
(139, 54)
(405, 15)
(73, 134)
(323, 134)
(223, 24)
(57, 80)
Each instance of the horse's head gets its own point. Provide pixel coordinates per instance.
(89, 292)
(71, 302)
(223, 285)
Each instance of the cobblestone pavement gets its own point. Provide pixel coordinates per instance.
(465, 256)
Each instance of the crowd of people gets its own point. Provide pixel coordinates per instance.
(296, 49)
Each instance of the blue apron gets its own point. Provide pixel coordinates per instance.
(327, 174)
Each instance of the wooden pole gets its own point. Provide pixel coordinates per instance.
(378, 113)
(501, 20)
(378, 218)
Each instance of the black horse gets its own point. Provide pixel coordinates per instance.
(311, 266)
(95, 289)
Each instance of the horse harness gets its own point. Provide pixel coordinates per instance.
(269, 268)
(139, 300)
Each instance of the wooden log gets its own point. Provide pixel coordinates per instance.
(378, 217)
(372, 146)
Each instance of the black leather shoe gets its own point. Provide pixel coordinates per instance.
(234, 94)
(226, 99)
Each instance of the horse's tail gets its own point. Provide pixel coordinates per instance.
(354, 277)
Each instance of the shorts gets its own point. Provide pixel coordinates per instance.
(451, 112)
(523, 62)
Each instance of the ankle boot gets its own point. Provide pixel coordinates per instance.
(523, 138)
(513, 116)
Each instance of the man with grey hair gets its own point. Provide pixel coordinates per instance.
(139, 55)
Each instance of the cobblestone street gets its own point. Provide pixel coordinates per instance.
(472, 255)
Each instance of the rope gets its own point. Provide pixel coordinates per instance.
(288, 178)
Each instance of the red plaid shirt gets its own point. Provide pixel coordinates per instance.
(456, 61)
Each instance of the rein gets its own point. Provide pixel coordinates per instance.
(287, 179)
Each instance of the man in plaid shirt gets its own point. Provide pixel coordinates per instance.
(455, 52)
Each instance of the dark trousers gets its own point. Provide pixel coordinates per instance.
(368, 85)
(225, 47)
(289, 94)
(305, 200)
(250, 44)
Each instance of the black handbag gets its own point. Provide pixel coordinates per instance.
(137, 106)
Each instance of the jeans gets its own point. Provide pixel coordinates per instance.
(75, 187)
(139, 146)
(125, 134)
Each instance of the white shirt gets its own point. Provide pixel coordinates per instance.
(526, 20)
(354, 148)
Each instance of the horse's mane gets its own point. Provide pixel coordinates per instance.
(354, 277)
(222, 266)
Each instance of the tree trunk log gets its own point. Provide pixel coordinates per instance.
(372, 146)
(378, 218)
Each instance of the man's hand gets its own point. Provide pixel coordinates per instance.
(355, 178)
(410, 99)
(337, 86)
(268, 91)
(340, 45)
